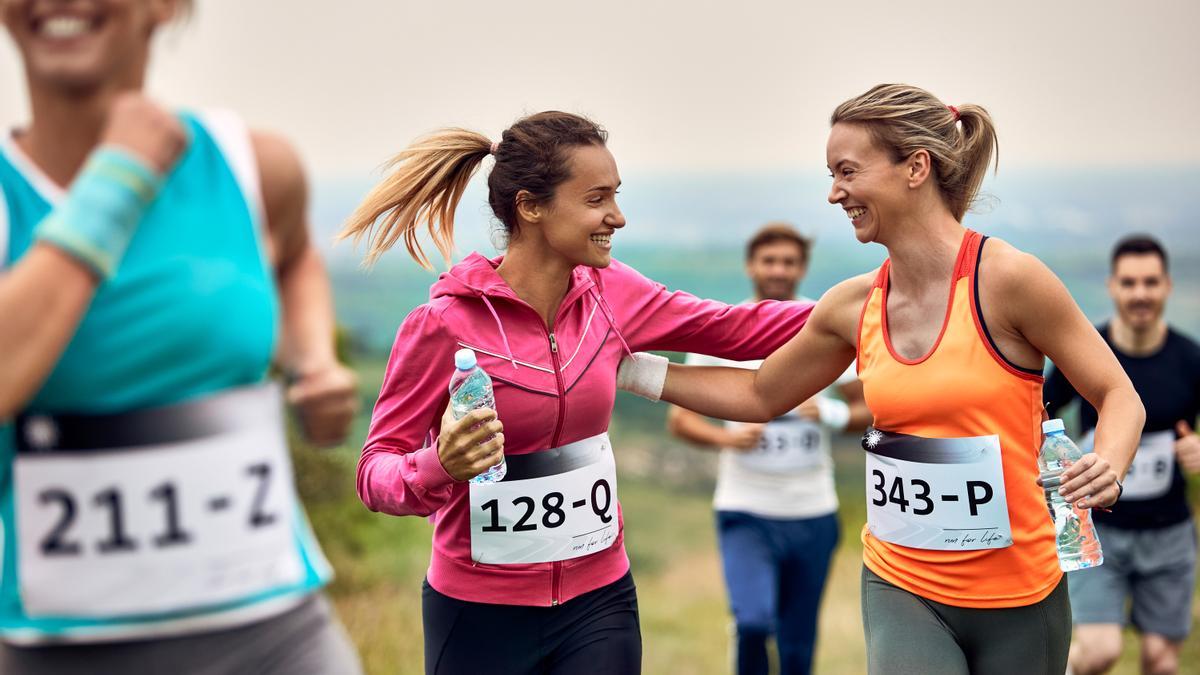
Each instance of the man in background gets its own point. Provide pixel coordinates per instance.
(775, 499)
(1149, 538)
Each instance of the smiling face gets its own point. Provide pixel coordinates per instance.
(867, 184)
(1139, 286)
(578, 223)
(776, 269)
(82, 45)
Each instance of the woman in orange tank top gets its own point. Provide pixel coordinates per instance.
(950, 334)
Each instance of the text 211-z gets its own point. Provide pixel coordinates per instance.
(58, 543)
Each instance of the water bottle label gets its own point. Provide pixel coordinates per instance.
(788, 444)
(143, 518)
(552, 505)
(1153, 467)
(944, 494)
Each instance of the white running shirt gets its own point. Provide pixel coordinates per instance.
(799, 493)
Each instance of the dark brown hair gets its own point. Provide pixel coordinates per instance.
(1139, 244)
(773, 232)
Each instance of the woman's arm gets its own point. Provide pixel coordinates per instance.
(45, 295)
(323, 391)
(805, 365)
(399, 471)
(1031, 300)
(403, 469)
(652, 318)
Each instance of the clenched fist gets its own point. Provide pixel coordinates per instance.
(146, 130)
(325, 401)
(1187, 448)
(744, 437)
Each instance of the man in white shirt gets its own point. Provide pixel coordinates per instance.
(775, 499)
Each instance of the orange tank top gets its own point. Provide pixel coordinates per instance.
(962, 388)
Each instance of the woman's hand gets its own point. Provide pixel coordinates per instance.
(745, 437)
(1090, 482)
(325, 401)
(471, 445)
(145, 129)
(810, 410)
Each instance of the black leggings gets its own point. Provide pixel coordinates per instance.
(597, 632)
(910, 635)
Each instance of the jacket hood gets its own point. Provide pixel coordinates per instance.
(476, 277)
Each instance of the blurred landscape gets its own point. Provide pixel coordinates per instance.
(687, 231)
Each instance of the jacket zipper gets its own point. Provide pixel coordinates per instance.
(562, 392)
(556, 566)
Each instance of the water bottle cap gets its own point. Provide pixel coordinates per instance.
(1051, 426)
(464, 359)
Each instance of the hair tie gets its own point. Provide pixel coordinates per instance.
(952, 109)
(496, 145)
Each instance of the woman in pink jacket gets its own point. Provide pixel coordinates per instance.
(528, 574)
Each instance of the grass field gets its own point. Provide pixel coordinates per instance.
(665, 490)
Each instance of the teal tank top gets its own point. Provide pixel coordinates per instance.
(191, 311)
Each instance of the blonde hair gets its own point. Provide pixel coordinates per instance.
(903, 119)
(428, 179)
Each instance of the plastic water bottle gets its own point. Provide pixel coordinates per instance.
(471, 388)
(1078, 547)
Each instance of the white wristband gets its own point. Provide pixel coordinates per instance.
(834, 414)
(643, 374)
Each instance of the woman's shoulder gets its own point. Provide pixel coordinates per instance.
(1006, 268)
(851, 292)
(1015, 287)
(839, 309)
(428, 318)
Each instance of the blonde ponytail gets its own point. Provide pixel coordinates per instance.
(977, 149)
(425, 183)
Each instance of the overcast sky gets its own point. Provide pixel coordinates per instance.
(686, 85)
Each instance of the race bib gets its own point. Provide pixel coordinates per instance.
(552, 505)
(1153, 467)
(155, 511)
(944, 494)
(788, 443)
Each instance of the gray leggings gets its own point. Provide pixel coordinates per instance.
(306, 640)
(909, 635)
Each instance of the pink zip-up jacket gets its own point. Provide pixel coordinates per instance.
(552, 387)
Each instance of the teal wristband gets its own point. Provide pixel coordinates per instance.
(96, 221)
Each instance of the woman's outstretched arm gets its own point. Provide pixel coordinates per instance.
(805, 365)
